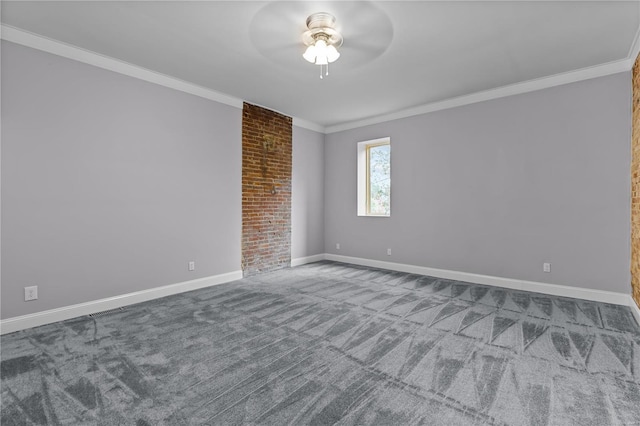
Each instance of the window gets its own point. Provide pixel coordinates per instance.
(374, 178)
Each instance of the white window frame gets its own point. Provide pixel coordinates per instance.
(363, 175)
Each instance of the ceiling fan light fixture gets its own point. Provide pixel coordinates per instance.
(322, 40)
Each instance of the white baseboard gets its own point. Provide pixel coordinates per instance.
(309, 259)
(514, 284)
(10, 325)
(635, 310)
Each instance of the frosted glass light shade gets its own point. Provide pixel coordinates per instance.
(321, 60)
(310, 54)
(332, 53)
(321, 48)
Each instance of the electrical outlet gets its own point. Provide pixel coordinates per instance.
(546, 267)
(31, 293)
(388, 252)
(337, 246)
(192, 266)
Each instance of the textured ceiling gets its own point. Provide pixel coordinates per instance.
(396, 55)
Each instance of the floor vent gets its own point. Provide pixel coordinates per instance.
(107, 312)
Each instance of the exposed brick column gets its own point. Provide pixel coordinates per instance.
(635, 186)
(266, 190)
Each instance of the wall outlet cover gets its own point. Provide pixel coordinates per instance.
(30, 293)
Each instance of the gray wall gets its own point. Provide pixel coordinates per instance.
(500, 187)
(307, 198)
(110, 184)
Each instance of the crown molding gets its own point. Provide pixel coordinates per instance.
(634, 50)
(500, 92)
(55, 47)
(68, 51)
(35, 41)
(299, 122)
(587, 73)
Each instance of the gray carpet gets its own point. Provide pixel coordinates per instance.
(329, 343)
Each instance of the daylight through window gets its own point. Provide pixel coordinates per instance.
(374, 178)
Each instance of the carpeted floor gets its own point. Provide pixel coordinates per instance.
(329, 343)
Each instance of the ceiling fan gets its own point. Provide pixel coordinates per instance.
(356, 32)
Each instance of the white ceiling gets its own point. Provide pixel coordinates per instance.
(396, 55)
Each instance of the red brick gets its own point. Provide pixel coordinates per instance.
(266, 163)
(635, 184)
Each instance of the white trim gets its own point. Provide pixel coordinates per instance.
(500, 92)
(10, 325)
(308, 259)
(79, 54)
(514, 284)
(68, 51)
(299, 122)
(635, 49)
(635, 310)
(55, 47)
